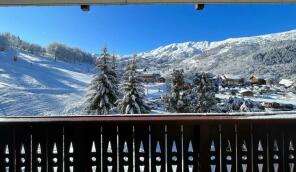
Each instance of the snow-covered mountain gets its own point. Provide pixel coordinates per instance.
(35, 85)
(175, 52)
(231, 56)
(190, 49)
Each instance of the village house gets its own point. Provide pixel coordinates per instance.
(147, 76)
(246, 93)
(151, 77)
(232, 80)
(257, 80)
(286, 83)
(279, 106)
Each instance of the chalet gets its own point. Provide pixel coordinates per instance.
(150, 77)
(232, 80)
(234, 92)
(247, 93)
(279, 106)
(286, 83)
(257, 80)
(268, 104)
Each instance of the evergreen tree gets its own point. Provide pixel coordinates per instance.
(114, 67)
(293, 67)
(176, 100)
(103, 92)
(4, 44)
(204, 91)
(133, 101)
(114, 62)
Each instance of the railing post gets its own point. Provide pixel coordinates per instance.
(204, 148)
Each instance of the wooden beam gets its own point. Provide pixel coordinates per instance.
(59, 2)
(126, 2)
(85, 7)
(199, 6)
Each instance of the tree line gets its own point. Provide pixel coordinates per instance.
(57, 51)
(63, 52)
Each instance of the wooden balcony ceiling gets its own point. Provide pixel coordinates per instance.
(126, 2)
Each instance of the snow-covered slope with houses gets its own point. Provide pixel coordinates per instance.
(36, 85)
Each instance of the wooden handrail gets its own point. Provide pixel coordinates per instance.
(274, 117)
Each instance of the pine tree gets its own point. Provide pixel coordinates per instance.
(293, 67)
(114, 62)
(103, 92)
(4, 44)
(176, 100)
(204, 90)
(133, 101)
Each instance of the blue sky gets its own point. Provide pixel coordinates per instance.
(131, 29)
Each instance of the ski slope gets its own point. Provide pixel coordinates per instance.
(40, 86)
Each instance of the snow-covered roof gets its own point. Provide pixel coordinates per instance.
(140, 70)
(226, 76)
(244, 91)
(259, 76)
(149, 74)
(286, 82)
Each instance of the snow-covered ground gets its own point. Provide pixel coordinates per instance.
(289, 98)
(153, 94)
(36, 85)
(40, 86)
(154, 91)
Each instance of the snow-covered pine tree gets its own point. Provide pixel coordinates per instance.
(114, 62)
(3, 43)
(293, 67)
(176, 100)
(133, 101)
(102, 93)
(204, 90)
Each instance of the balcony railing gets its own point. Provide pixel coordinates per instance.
(147, 143)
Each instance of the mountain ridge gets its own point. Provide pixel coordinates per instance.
(230, 56)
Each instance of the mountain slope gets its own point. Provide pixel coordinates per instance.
(38, 86)
(232, 56)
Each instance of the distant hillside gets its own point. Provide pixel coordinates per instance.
(272, 55)
(57, 51)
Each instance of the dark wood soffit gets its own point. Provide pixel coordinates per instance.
(127, 2)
